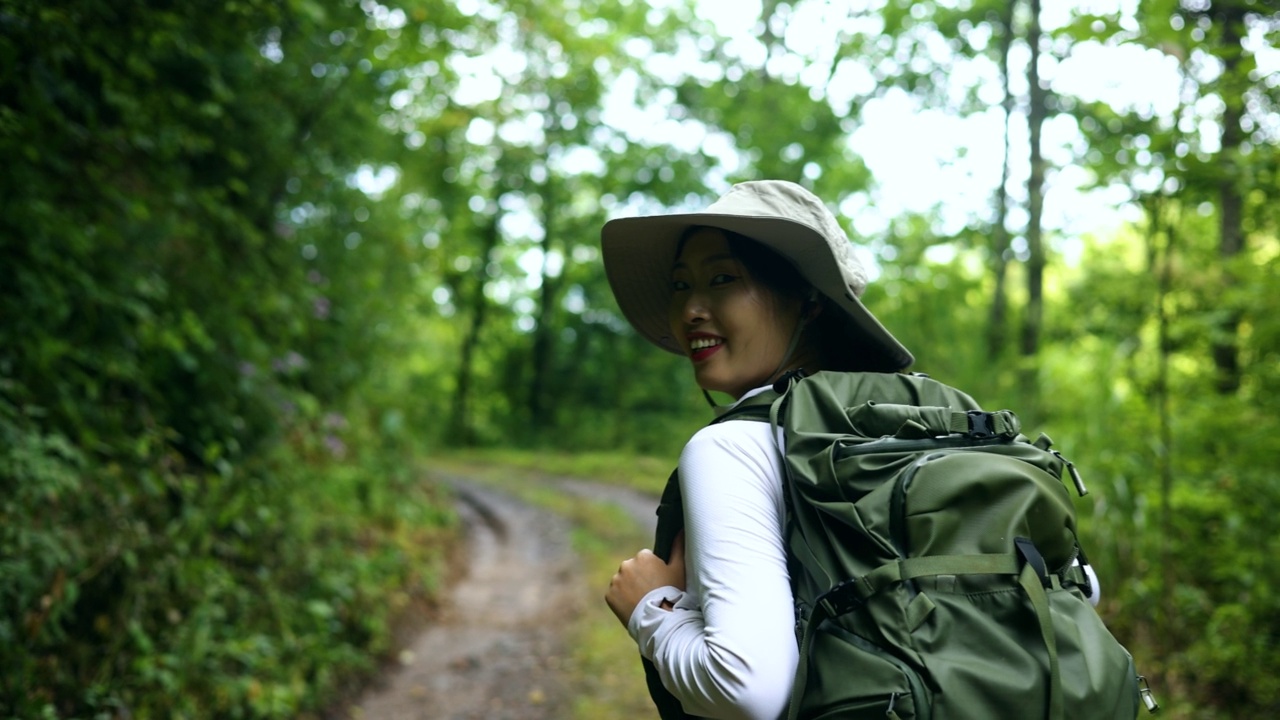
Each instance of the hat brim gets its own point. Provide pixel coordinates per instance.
(639, 252)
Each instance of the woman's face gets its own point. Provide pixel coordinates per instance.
(733, 329)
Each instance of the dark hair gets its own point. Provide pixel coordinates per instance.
(766, 266)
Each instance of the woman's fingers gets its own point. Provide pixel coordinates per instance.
(638, 575)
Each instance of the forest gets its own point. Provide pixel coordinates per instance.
(262, 261)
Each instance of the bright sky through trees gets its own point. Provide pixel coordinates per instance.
(923, 157)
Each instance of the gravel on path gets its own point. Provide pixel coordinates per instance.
(496, 650)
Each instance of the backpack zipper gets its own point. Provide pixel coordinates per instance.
(1073, 472)
(944, 442)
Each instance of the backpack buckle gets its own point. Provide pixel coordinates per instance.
(789, 378)
(981, 424)
(840, 599)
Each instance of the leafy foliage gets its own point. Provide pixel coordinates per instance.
(189, 525)
(257, 258)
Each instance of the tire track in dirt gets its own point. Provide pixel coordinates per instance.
(497, 649)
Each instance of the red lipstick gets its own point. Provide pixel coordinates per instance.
(702, 353)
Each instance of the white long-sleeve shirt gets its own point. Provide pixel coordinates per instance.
(728, 649)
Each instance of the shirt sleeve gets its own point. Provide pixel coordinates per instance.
(728, 649)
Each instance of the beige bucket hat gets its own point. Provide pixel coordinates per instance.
(639, 252)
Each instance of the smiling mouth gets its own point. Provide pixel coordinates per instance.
(703, 347)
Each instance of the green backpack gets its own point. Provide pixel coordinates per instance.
(933, 560)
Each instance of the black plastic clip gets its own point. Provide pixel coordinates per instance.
(840, 599)
(783, 384)
(981, 424)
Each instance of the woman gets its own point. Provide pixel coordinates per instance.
(762, 282)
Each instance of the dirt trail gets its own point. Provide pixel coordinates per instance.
(497, 649)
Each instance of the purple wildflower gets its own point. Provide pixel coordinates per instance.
(336, 447)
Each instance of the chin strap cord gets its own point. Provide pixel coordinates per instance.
(715, 407)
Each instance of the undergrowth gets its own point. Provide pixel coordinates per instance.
(261, 590)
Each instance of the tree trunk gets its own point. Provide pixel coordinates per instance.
(1161, 264)
(1226, 349)
(1035, 194)
(544, 329)
(996, 330)
(461, 427)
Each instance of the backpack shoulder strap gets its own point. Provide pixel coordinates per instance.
(670, 523)
(755, 407)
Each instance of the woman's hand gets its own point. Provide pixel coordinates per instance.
(641, 574)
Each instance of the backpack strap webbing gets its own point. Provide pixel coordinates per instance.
(977, 423)
(755, 407)
(1033, 579)
(670, 522)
